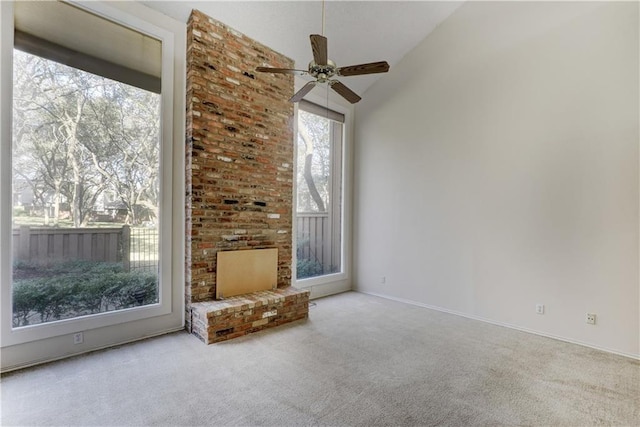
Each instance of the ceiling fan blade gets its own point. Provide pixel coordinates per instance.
(302, 92)
(345, 92)
(278, 70)
(371, 68)
(319, 48)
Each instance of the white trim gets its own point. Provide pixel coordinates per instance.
(327, 289)
(6, 97)
(294, 197)
(497, 323)
(320, 280)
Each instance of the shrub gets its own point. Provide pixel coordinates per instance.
(71, 289)
(308, 268)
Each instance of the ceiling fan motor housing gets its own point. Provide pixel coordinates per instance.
(322, 72)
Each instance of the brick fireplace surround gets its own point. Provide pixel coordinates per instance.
(239, 148)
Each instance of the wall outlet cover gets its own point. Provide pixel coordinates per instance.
(78, 338)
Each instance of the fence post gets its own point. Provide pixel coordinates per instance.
(25, 242)
(126, 247)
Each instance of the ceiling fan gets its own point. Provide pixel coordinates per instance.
(324, 70)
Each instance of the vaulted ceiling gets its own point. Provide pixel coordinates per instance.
(358, 31)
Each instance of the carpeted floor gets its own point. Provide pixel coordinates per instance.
(359, 360)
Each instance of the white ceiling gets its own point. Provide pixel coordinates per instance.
(358, 31)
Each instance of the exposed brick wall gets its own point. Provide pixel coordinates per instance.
(239, 152)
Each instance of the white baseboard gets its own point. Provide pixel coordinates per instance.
(506, 325)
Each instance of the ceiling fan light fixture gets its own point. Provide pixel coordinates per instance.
(322, 73)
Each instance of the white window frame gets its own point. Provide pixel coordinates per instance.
(328, 284)
(171, 227)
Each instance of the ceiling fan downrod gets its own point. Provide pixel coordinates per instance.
(322, 33)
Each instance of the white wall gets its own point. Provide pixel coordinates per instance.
(497, 166)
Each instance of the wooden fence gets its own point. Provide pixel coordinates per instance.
(43, 245)
(313, 235)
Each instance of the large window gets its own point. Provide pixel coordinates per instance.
(319, 192)
(88, 172)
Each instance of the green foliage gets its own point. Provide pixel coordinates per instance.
(19, 211)
(71, 289)
(308, 268)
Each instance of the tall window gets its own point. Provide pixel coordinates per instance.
(319, 191)
(85, 181)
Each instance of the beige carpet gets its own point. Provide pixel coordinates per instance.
(359, 360)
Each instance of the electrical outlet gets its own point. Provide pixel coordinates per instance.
(591, 318)
(78, 338)
(383, 280)
(540, 308)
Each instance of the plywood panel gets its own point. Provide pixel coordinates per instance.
(245, 271)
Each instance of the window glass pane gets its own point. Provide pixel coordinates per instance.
(85, 193)
(319, 195)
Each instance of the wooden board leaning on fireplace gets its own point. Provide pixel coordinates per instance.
(245, 271)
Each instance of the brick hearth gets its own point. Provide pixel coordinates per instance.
(215, 321)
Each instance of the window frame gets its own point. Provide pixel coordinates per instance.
(170, 227)
(334, 282)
